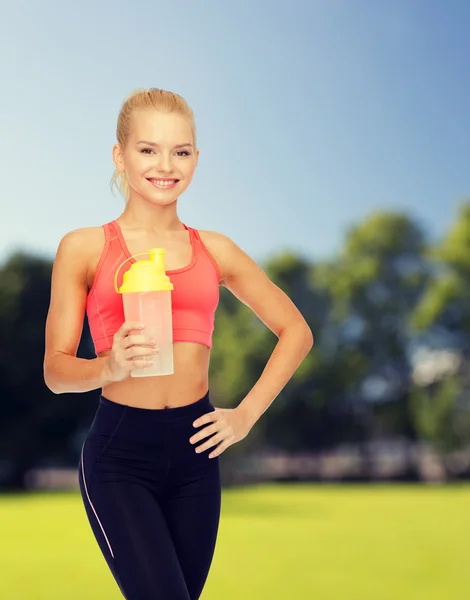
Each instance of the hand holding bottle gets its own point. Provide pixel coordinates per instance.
(130, 351)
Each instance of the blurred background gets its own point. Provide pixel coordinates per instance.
(334, 150)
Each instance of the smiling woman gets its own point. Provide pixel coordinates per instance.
(152, 496)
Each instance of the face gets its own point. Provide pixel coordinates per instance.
(160, 146)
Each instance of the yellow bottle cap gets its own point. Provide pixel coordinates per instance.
(145, 275)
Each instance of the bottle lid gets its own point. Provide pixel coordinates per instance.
(146, 275)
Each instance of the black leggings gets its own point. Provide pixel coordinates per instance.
(153, 503)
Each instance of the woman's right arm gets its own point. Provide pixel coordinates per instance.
(63, 371)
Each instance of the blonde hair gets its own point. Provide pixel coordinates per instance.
(155, 99)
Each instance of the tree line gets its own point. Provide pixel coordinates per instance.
(390, 313)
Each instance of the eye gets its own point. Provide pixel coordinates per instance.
(149, 150)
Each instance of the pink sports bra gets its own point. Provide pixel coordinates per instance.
(195, 295)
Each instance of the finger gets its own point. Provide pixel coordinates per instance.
(209, 430)
(221, 447)
(126, 328)
(215, 439)
(137, 340)
(207, 418)
(138, 351)
(140, 364)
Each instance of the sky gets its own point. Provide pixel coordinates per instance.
(310, 115)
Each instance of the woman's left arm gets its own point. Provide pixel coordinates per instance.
(249, 283)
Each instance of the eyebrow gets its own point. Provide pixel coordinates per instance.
(154, 144)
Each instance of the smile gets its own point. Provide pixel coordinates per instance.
(163, 183)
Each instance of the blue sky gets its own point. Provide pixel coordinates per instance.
(309, 115)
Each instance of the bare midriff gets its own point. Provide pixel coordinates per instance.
(188, 384)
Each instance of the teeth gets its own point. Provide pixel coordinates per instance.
(160, 182)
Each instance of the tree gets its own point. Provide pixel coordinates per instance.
(35, 424)
(440, 407)
(374, 284)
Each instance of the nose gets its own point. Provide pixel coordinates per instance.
(164, 164)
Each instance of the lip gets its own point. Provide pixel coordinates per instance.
(161, 187)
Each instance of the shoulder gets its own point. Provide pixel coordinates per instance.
(214, 238)
(83, 240)
(230, 257)
(79, 246)
(251, 285)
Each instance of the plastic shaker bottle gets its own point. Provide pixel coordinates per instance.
(146, 296)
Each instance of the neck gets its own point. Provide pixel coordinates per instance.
(139, 214)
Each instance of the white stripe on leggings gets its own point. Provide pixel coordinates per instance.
(91, 504)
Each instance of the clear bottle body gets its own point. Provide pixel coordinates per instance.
(153, 309)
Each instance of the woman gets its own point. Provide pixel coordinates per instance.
(149, 467)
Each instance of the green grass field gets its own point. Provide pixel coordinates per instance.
(275, 542)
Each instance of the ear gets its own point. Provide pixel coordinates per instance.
(118, 158)
(197, 156)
